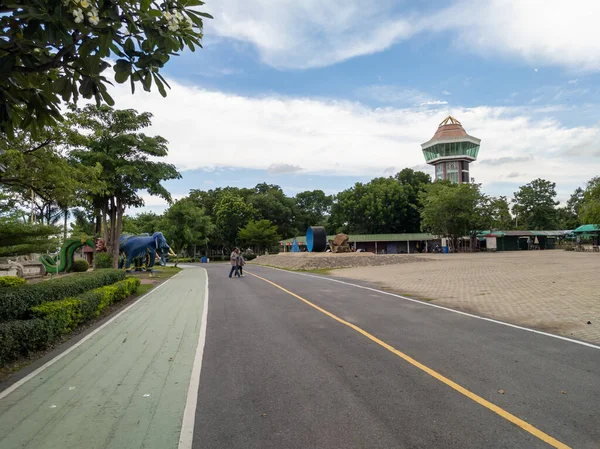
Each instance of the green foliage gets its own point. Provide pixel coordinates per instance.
(11, 281)
(21, 337)
(453, 210)
(590, 208)
(64, 315)
(497, 214)
(40, 166)
(231, 214)
(103, 260)
(15, 302)
(186, 225)
(260, 234)
(80, 266)
(383, 205)
(112, 138)
(312, 207)
(59, 49)
(18, 238)
(535, 205)
(55, 318)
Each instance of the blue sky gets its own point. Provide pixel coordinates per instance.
(323, 94)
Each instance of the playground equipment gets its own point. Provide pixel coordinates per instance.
(143, 249)
(63, 261)
(316, 239)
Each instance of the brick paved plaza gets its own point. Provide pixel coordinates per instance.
(555, 291)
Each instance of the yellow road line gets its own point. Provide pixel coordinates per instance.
(487, 404)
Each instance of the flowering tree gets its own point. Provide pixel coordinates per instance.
(53, 50)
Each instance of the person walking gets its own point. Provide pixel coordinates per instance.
(233, 258)
(241, 263)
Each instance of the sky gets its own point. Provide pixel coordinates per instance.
(321, 94)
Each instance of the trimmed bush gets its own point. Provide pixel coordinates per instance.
(249, 256)
(20, 337)
(11, 281)
(16, 302)
(80, 266)
(103, 260)
(56, 318)
(63, 315)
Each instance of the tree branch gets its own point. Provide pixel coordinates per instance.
(39, 147)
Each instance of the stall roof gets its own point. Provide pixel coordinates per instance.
(525, 233)
(355, 238)
(586, 228)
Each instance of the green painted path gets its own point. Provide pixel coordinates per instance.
(125, 387)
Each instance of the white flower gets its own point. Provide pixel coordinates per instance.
(167, 15)
(93, 16)
(84, 4)
(78, 14)
(179, 16)
(173, 26)
(66, 2)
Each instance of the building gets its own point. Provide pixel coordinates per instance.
(450, 151)
(378, 243)
(521, 240)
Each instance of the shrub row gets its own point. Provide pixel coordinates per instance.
(16, 302)
(11, 281)
(103, 260)
(53, 319)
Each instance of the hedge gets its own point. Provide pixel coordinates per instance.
(11, 281)
(56, 318)
(16, 302)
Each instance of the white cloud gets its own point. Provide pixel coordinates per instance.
(555, 32)
(434, 103)
(315, 33)
(310, 33)
(276, 169)
(397, 95)
(212, 130)
(445, 92)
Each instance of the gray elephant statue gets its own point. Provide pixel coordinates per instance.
(144, 246)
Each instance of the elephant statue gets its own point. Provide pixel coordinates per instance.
(144, 247)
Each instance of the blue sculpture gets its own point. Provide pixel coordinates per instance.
(145, 247)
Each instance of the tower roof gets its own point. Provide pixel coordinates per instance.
(450, 130)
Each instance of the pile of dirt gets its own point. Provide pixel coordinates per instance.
(322, 261)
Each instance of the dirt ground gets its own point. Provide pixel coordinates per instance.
(324, 261)
(555, 291)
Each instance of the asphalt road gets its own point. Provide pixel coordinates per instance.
(370, 370)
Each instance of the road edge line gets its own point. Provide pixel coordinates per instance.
(436, 306)
(51, 362)
(186, 435)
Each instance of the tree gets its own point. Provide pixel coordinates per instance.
(534, 205)
(39, 172)
(186, 225)
(312, 208)
(112, 139)
(261, 234)
(414, 182)
(497, 214)
(270, 203)
(18, 238)
(590, 209)
(231, 214)
(453, 210)
(143, 223)
(60, 49)
(380, 206)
